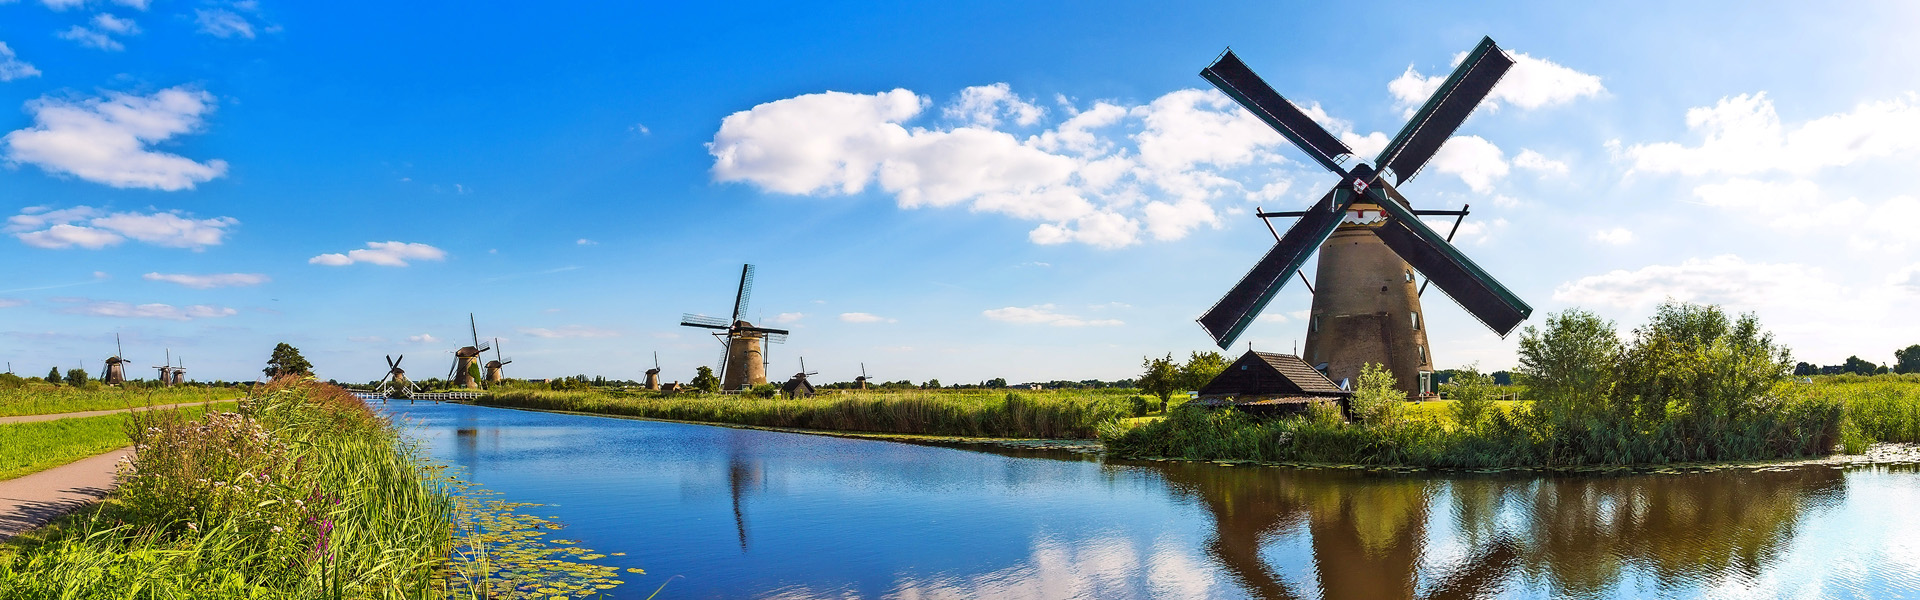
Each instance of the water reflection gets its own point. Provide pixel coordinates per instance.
(740, 513)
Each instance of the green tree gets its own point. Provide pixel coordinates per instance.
(1568, 367)
(932, 384)
(77, 377)
(1472, 394)
(1858, 366)
(703, 380)
(53, 375)
(1907, 360)
(997, 383)
(1697, 359)
(1377, 399)
(1201, 368)
(1162, 378)
(286, 360)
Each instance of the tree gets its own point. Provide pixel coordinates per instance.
(1806, 369)
(1568, 366)
(1201, 368)
(932, 384)
(53, 375)
(286, 360)
(1162, 378)
(1377, 400)
(997, 383)
(1858, 366)
(77, 377)
(703, 380)
(1907, 360)
(1472, 394)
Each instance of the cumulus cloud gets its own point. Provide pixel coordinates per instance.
(106, 140)
(786, 317)
(1475, 160)
(1743, 135)
(1801, 207)
(585, 242)
(569, 332)
(1616, 236)
(91, 228)
(101, 31)
(1534, 161)
(985, 105)
(1531, 83)
(860, 317)
(1044, 314)
(423, 339)
(11, 67)
(105, 308)
(386, 254)
(1726, 279)
(60, 5)
(213, 280)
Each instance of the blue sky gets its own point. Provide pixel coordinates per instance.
(960, 191)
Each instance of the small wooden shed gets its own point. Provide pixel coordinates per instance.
(1266, 383)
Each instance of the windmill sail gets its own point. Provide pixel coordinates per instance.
(1443, 113)
(1235, 311)
(1240, 83)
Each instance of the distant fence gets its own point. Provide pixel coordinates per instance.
(435, 396)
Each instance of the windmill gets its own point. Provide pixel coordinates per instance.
(166, 370)
(1366, 308)
(466, 358)
(861, 381)
(115, 371)
(798, 386)
(653, 374)
(493, 366)
(395, 383)
(180, 371)
(742, 364)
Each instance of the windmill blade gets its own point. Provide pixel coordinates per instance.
(766, 330)
(453, 367)
(505, 362)
(1240, 83)
(1445, 111)
(745, 296)
(476, 330)
(693, 320)
(396, 362)
(777, 338)
(1423, 248)
(656, 360)
(119, 351)
(1231, 315)
(496, 349)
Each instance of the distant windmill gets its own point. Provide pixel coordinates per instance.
(862, 379)
(115, 373)
(653, 374)
(465, 359)
(493, 366)
(395, 384)
(798, 386)
(180, 371)
(166, 370)
(743, 362)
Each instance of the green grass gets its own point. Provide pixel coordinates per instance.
(27, 448)
(1053, 414)
(40, 398)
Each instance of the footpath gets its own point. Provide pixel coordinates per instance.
(95, 413)
(29, 501)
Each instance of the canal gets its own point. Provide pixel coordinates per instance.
(733, 513)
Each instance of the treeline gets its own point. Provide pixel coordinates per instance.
(1905, 360)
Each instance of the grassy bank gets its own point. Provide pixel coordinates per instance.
(33, 447)
(40, 398)
(1058, 414)
(303, 493)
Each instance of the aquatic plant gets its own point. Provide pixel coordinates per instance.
(974, 413)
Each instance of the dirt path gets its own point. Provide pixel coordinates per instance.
(33, 500)
(94, 413)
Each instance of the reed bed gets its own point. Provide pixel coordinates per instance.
(32, 447)
(1058, 414)
(33, 397)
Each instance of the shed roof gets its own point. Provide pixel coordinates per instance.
(1263, 373)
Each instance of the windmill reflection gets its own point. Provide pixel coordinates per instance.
(740, 473)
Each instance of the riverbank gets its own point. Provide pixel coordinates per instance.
(1048, 414)
(39, 445)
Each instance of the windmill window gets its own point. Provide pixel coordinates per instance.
(1316, 322)
(1409, 276)
(1422, 350)
(1416, 321)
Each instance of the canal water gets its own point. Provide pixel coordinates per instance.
(714, 512)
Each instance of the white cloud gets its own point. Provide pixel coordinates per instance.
(11, 302)
(149, 311)
(386, 254)
(222, 23)
(60, 5)
(11, 67)
(585, 242)
(1726, 279)
(860, 317)
(1908, 278)
(1477, 161)
(423, 338)
(1531, 83)
(1534, 161)
(569, 332)
(101, 32)
(105, 140)
(1743, 135)
(787, 317)
(1044, 314)
(1616, 236)
(208, 281)
(90, 228)
(984, 105)
(1470, 232)
(1801, 207)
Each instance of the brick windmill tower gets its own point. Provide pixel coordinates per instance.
(494, 366)
(1366, 308)
(166, 370)
(743, 364)
(653, 374)
(467, 359)
(115, 371)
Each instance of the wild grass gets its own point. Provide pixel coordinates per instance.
(1061, 414)
(303, 493)
(40, 398)
(27, 448)
(1882, 408)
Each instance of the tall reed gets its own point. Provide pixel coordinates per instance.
(972, 413)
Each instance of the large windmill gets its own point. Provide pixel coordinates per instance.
(466, 359)
(395, 383)
(1366, 308)
(115, 371)
(653, 374)
(494, 374)
(743, 363)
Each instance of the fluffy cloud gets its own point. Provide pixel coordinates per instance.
(105, 140)
(1475, 160)
(786, 317)
(213, 280)
(860, 317)
(1531, 83)
(100, 32)
(1044, 314)
(87, 227)
(1616, 236)
(386, 254)
(422, 339)
(147, 311)
(1743, 135)
(585, 242)
(569, 332)
(222, 23)
(1801, 207)
(1534, 161)
(984, 105)
(1726, 279)
(66, 4)
(11, 67)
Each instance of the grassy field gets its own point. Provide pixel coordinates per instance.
(1057, 414)
(40, 398)
(33, 447)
